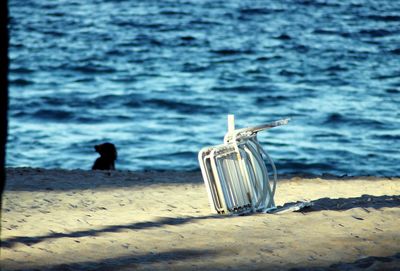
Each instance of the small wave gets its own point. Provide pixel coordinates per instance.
(384, 18)
(116, 52)
(85, 79)
(108, 99)
(272, 99)
(89, 68)
(20, 82)
(77, 101)
(56, 14)
(50, 114)
(184, 154)
(388, 76)
(54, 101)
(301, 49)
(68, 115)
(327, 135)
(54, 33)
(194, 67)
(227, 52)
(257, 11)
(124, 79)
(129, 23)
(392, 90)
(395, 51)
(240, 89)
(318, 3)
(182, 107)
(133, 103)
(21, 70)
(144, 39)
(205, 22)
(390, 137)
(47, 6)
(87, 119)
(303, 167)
(190, 41)
(173, 12)
(265, 58)
(375, 33)
(290, 73)
(370, 123)
(337, 118)
(16, 45)
(336, 68)
(284, 37)
(340, 139)
(256, 71)
(187, 38)
(323, 31)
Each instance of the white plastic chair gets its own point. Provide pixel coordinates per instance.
(235, 173)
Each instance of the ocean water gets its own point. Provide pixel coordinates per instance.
(158, 77)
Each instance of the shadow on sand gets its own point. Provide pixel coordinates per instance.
(167, 221)
(341, 204)
(131, 262)
(135, 261)
(367, 263)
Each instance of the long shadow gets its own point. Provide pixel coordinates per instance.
(31, 240)
(341, 204)
(365, 201)
(130, 262)
(386, 263)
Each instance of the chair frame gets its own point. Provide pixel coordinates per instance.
(236, 172)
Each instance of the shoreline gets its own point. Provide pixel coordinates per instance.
(284, 176)
(122, 220)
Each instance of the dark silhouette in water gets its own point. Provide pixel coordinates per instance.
(108, 155)
(3, 91)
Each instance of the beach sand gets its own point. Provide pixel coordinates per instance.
(121, 220)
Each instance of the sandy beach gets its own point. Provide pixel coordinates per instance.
(121, 220)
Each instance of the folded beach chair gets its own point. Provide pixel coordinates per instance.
(240, 177)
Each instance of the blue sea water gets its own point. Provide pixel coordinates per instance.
(158, 77)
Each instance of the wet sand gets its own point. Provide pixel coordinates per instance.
(86, 220)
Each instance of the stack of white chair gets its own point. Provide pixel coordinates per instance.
(240, 177)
